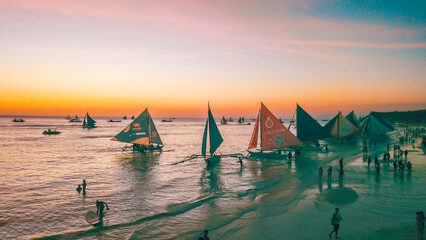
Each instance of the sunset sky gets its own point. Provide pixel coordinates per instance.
(118, 57)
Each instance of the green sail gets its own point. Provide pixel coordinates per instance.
(215, 137)
(308, 129)
(90, 121)
(204, 145)
(137, 131)
(352, 118)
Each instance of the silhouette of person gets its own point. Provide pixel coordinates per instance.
(84, 186)
(335, 222)
(409, 166)
(341, 163)
(420, 218)
(205, 235)
(100, 208)
(368, 160)
(78, 189)
(320, 172)
(329, 170)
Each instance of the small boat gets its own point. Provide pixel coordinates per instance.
(133, 117)
(167, 120)
(75, 119)
(88, 121)
(18, 120)
(68, 117)
(230, 119)
(215, 140)
(274, 136)
(51, 132)
(125, 117)
(111, 120)
(223, 121)
(142, 134)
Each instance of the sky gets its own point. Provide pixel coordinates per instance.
(115, 58)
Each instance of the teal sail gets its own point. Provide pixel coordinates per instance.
(373, 124)
(215, 137)
(141, 131)
(204, 145)
(352, 118)
(308, 129)
(88, 121)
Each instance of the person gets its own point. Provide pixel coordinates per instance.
(420, 218)
(409, 166)
(84, 186)
(329, 170)
(384, 157)
(335, 222)
(378, 168)
(368, 160)
(100, 208)
(289, 155)
(376, 160)
(78, 189)
(320, 172)
(341, 163)
(341, 173)
(394, 166)
(406, 153)
(326, 148)
(205, 235)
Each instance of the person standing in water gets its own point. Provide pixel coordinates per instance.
(406, 153)
(329, 170)
(100, 208)
(341, 163)
(78, 189)
(84, 186)
(320, 172)
(335, 222)
(368, 161)
(420, 218)
(394, 166)
(409, 166)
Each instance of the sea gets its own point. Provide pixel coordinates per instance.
(161, 196)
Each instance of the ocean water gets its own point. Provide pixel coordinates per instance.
(151, 197)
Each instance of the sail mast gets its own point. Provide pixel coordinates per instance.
(260, 127)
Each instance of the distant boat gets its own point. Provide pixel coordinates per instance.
(133, 117)
(142, 134)
(51, 132)
(88, 121)
(125, 117)
(274, 136)
(68, 117)
(18, 120)
(241, 120)
(223, 121)
(230, 119)
(75, 119)
(167, 120)
(215, 140)
(111, 120)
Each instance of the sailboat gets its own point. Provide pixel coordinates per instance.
(142, 133)
(125, 117)
(340, 127)
(88, 121)
(308, 129)
(75, 119)
(274, 136)
(133, 117)
(215, 139)
(223, 121)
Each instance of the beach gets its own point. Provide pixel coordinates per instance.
(152, 197)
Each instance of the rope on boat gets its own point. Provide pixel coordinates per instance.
(195, 156)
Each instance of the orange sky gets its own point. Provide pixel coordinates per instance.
(65, 58)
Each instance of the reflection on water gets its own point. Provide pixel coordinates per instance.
(210, 180)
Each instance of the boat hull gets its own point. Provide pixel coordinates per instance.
(51, 133)
(147, 148)
(212, 161)
(268, 155)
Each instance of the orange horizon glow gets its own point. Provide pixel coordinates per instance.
(67, 57)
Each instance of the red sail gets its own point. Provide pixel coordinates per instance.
(274, 134)
(253, 140)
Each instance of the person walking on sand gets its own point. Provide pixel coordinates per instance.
(420, 218)
(406, 153)
(329, 170)
(335, 221)
(368, 161)
(84, 186)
